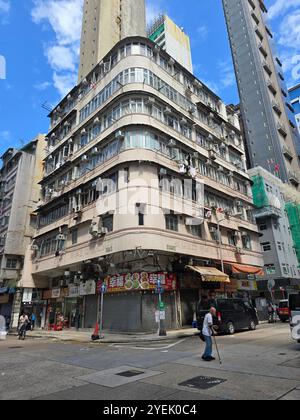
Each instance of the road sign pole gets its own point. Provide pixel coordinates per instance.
(101, 314)
(162, 327)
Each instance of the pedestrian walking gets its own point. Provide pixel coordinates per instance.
(32, 321)
(208, 332)
(22, 328)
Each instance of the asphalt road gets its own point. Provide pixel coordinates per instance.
(264, 364)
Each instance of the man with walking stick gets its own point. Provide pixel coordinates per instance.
(208, 331)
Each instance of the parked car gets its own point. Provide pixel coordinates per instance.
(294, 308)
(232, 315)
(283, 311)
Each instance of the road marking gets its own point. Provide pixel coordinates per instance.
(147, 348)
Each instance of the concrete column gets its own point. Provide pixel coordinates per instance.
(16, 308)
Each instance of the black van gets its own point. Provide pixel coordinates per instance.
(232, 315)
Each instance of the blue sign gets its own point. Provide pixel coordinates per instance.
(159, 290)
(103, 288)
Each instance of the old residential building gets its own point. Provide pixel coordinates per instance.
(20, 192)
(145, 180)
(271, 134)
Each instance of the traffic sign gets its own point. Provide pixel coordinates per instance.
(161, 306)
(103, 288)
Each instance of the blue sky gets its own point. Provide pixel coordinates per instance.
(39, 40)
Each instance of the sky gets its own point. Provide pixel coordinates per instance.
(39, 48)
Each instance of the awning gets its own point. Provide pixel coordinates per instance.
(247, 269)
(210, 274)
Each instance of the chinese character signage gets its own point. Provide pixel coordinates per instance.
(138, 282)
(88, 288)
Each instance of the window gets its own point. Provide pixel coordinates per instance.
(263, 227)
(266, 247)
(108, 222)
(172, 222)
(196, 231)
(246, 241)
(74, 236)
(11, 263)
(285, 269)
(232, 238)
(270, 269)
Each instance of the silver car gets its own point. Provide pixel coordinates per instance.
(294, 307)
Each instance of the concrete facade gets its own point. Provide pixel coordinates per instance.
(172, 39)
(21, 171)
(126, 157)
(280, 258)
(106, 22)
(271, 134)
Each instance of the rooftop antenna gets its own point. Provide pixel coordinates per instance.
(47, 107)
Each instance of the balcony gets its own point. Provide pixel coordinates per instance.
(293, 178)
(263, 50)
(282, 130)
(267, 68)
(287, 153)
(272, 88)
(276, 107)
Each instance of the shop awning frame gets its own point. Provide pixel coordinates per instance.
(210, 274)
(247, 269)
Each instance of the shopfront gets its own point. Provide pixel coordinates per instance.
(197, 282)
(131, 302)
(33, 303)
(6, 301)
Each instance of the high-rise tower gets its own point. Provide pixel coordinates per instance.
(270, 129)
(106, 22)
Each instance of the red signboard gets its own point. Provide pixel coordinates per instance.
(138, 281)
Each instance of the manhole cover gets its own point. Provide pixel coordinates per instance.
(130, 373)
(203, 382)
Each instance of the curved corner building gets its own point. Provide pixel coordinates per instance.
(142, 162)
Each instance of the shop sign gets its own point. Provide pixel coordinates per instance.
(250, 286)
(4, 299)
(139, 281)
(88, 288)
(55, 293)
(74, 290)
(47, 294)
(27, 295)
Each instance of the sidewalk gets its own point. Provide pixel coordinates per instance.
(109, 337)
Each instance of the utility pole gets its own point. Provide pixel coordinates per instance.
(162, 327)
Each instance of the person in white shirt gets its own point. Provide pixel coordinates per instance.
(207, 332)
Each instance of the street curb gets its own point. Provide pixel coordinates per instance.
(111, 340)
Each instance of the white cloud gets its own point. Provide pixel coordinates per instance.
(64, 17)
(42, 86)
(285, 18)
(202, 32)
(4, 10)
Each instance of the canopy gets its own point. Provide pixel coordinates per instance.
(210, 274)
(247, 269)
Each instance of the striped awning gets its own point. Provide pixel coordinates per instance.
(247, 269)
(210, 274)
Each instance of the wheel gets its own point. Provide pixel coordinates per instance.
(252, 326)
(230, 328)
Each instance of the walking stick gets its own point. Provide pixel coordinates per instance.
(217, 348)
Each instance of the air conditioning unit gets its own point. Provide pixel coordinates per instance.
(183, 121)
(95, 150)
(61, 237)
(163, 171)
(150, 101)
(213, 205)
(195, 155)
(84, 158)
(192, 110)
(212, 154)
(168, 111)
(210, 137)
(244, 234)
(175, 154)
(94, 229)
(78, 209)
(103, 231)
(120, 135)
(96, 121)
(83, 131)
(213, 230)
(189, 221)
(172, 143)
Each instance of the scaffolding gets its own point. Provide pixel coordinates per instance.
(293, 213)
(260, 197)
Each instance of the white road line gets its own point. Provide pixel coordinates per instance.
(147, 348)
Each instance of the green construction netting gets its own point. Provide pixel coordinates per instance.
(260, 197)
(293, 212)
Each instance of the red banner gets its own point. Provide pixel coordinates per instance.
(138, 281)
